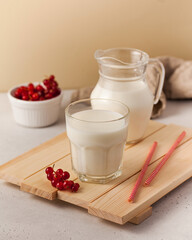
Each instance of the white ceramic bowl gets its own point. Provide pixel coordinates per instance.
(35, 113)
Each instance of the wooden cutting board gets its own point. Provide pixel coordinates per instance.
(107, 201)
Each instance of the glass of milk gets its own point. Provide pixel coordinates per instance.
(97, 130)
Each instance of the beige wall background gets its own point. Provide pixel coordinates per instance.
(42, 37)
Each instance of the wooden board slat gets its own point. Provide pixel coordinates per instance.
(114, 206)
(16, 170)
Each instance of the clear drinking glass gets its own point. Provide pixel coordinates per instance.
(97, 130)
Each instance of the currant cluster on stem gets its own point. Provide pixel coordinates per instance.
(60, 179)
(47, 90)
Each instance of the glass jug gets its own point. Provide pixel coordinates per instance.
(122, 78)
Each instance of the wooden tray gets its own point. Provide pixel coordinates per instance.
(107, 201)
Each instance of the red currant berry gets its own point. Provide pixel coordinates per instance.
(70, 183)
(59, 171)
(48, 96)
(54, 84)
(46, 82)
(48, 86)
(31, 86)
(30, 92)
(45, 92)
(65, 175)
(57, 177)
(25, 97)
(39, 88)
(24, 93)
(50, 176)
(58, 91)
(41, 98)
(40, 94)
(52, 77)
(18, 93)
(49, 170)
(54, 183)
(23, 88)
(35, 96)
(65, 185)
(59, 185)
(53, 92)
(75, 187)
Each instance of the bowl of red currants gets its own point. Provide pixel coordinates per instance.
(36, 104)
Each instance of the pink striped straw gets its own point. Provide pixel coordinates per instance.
(165, 158)
(143, 170)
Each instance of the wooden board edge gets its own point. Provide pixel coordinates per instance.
(72, 198)
(105, 215)
(38, 192)
(9, 179)
(163, 192)
(139, 218)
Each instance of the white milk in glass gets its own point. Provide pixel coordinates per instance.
(136, 95)
(97, 145)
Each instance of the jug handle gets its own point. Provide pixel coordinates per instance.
(161, 72)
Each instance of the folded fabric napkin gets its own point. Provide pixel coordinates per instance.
(177, 84)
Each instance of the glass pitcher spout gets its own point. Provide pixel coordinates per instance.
(128, 57)
(121, 63)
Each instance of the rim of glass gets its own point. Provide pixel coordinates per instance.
(97, 99)
(124, 64)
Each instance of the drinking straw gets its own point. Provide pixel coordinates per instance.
(143, 170)
(165, 158)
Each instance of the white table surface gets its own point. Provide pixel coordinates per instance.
(24, 216)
